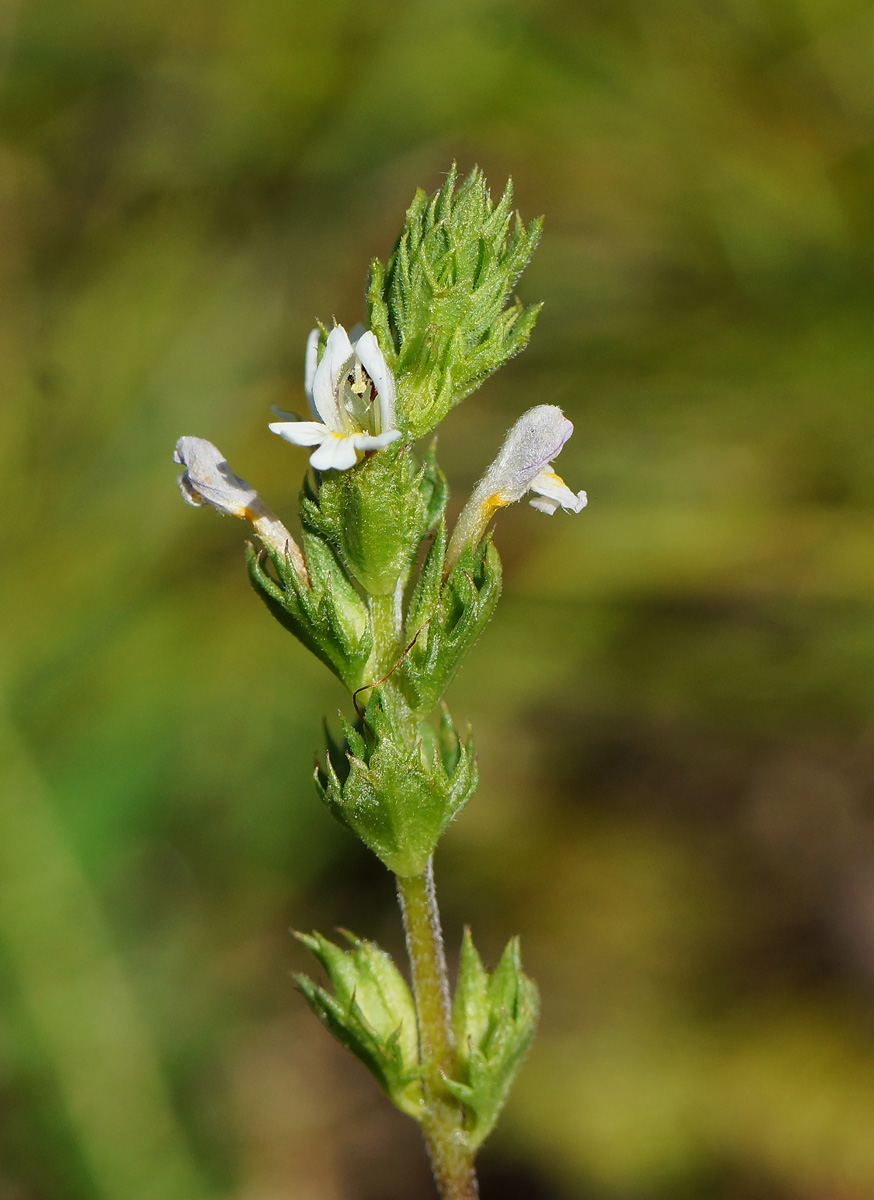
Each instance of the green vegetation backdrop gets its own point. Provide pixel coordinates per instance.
(674, 704)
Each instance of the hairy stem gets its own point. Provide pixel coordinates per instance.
(451, 1157)
(386, 631)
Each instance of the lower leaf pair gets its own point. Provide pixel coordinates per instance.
(371, 1012)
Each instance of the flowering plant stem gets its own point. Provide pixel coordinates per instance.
(392, 603)
(448, 1148)
(385, 622)
(450, 1154)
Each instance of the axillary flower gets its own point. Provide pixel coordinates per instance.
(523, 465)
(207, 479)
(352, 392)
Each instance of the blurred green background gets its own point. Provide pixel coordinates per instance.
(673, 706)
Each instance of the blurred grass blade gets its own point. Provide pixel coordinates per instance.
(81, 1002)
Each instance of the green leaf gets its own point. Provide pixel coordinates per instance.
(470, 1007)
(434, 489)
(494, 1019)
(371, 1013)
(426, 593)
(446, 618)
(327, 616)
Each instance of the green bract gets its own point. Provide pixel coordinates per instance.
(373, 517)
(445, 618)
(398, 794)
(494, 1018)
(326, 613)
(439, 308)
(371, 1012)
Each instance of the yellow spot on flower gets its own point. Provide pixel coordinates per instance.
(491, 505)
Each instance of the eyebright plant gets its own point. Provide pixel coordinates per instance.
(395, 633)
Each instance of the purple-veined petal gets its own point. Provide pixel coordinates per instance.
(207, 478)
(373, 361)
(521, 465)
(327, 380)
(533, 442)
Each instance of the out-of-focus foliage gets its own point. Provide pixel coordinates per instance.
(673, 703)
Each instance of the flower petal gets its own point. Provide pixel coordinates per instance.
(326, 381)
(553, 493)
(367, 441)
(533, 442)
(301, 433)
(207, 478)
(373, 361)
(336, 452)
(311, 361)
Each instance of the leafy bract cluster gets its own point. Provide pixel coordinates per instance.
(446, 614)
(371, 1012)
(439, 307)
(362, 536)
(325, 612)
(375, 518)
(398, 797)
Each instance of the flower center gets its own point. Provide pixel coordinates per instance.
(359, 393)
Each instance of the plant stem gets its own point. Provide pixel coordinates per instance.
(386, 631)
(451, 1157)
(386, 623)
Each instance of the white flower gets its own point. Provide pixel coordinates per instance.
(207, 479)
(523, 465)
(352, 393)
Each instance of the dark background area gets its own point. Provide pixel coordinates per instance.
(673, 705)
